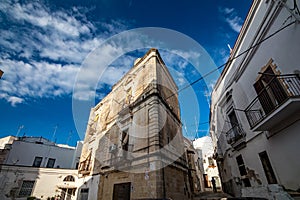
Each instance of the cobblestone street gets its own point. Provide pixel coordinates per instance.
(211, 195)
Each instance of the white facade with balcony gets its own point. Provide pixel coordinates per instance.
(255, 105)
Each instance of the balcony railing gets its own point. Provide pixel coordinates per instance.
(234, 134)
(273, 95)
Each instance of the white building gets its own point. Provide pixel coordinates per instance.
(35, 166)
(38, 152)
(77, 154)
(255, 105)
(204, 148)
(20, 182)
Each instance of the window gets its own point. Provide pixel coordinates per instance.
(125, 137)
(50, 163)
(246, 182)
(241, 165)
(84, 190)
(85, 164)
(128, 96)
(69, 178)
(37, 161)
(211, 162)
(243, 171)
(26, 189)
(235, 131)
(233, 119)
(84, 193)
(67, 193)
(125, 144)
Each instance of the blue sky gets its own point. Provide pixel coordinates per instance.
(44, 44)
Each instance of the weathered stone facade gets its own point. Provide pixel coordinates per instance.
(134, 137)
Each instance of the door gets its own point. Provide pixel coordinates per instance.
(121, 191)
(84, 194)
(270, 175)
(234, 125)
(270, 90)
(206, 181)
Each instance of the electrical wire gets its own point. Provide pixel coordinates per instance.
(228, 61)
(197, 124)
(231, 59)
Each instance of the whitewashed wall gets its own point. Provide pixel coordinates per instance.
(240, 76)
(47, 181)
(24, 153)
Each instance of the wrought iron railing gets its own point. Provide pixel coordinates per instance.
(234, 134)
(273, 95)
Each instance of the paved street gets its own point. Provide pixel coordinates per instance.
(220, 195)
(211, 195)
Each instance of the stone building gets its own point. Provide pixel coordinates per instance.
(134, 139)
(195, 168)
(255, 105)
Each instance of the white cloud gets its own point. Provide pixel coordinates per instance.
(36, 79)
(177, 65)
(15, 100)
(44, 52)
(45, 49)
(39, 15)
(231, 17)
(228, 10)
(224, 54)
(57, 35)
(235, 23)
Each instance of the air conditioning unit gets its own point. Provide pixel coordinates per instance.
(112, 148)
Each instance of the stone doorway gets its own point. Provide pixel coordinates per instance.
(122, 191)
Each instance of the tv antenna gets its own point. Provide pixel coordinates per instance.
(19, 130)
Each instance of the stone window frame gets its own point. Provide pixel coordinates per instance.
(26, 188)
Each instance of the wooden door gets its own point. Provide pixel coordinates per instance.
(270, 175)
(121, 191)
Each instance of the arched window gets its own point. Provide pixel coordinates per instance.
(69, 178)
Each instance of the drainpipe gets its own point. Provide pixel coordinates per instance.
(164, 186)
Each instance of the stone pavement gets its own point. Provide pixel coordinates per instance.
(211, 195)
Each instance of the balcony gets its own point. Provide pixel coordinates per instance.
(275, 104)
(236, 137)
